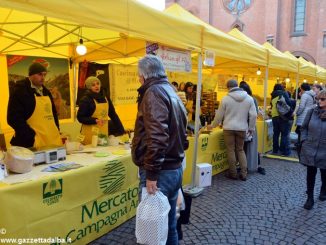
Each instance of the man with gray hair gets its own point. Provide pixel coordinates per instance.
(237, 114)
(160, 136)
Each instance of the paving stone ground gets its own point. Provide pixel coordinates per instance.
(266, 209)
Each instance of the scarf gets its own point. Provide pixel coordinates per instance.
(322, 114)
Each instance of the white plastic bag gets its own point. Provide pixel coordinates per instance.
(152, 219)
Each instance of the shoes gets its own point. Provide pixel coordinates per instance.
(229, 176)
(309, 203)
(261, 170)
(322, 195)
(242, 178)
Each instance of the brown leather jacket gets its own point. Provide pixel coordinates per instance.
(160, 132)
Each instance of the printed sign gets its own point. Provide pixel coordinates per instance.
(173, 59)
(209, 58)
(125, 82)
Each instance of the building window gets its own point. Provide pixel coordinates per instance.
(237, 7)
(324, 41)
(299, 15)
(270, 39)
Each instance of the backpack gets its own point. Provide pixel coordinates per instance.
(282, 107)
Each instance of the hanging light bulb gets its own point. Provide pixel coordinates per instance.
(81, 48)
(258, 72)
(287, 80)
(304, 80)
(315, 81)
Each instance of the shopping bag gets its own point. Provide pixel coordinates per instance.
(152, 219)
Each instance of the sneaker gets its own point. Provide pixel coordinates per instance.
(261, 170)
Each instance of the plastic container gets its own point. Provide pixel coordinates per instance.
(19, 159)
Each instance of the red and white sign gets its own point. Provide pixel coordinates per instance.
(173, 59)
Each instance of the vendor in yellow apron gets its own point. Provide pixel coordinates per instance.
(101, 112)
(42, 122)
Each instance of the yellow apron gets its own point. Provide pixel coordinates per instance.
(101, 112)
(42, 122)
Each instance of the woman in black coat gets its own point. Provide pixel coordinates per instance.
(93, 110)
(313, 148)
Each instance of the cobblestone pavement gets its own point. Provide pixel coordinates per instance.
(266, 209)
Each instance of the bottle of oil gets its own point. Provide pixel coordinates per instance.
(2, 141)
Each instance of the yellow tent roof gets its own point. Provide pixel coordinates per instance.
(224, 45)
(50, 28)
(278, 63)
(307, 68)
(321, 73)
(279, 60)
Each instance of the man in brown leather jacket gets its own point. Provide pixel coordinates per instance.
(160, 136)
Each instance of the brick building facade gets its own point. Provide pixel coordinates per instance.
(298, 26)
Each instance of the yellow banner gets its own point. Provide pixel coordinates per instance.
(211, 149)
(77, 206)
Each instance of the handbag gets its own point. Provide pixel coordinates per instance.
(152, 219)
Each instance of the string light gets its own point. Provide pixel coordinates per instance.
(81, 48)
(258, 72)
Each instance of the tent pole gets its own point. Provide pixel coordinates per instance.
(197, 121)
(265, 95)
(191, 189)
(74, 88)
(297, 83)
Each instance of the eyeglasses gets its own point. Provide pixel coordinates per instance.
(322, 99)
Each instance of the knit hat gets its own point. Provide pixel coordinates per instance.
(36, 68)
(89, 81)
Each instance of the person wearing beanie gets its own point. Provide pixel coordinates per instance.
(32, 113)
(93, 112)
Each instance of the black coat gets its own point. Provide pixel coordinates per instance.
(20, 108)
(87, 107)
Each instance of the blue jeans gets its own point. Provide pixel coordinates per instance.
(283, 128)
(169, 182)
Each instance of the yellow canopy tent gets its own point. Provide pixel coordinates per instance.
(110, 29)
(321, 74)
(123, 18)
(229, 52)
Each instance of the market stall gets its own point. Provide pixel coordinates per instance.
(80, 204)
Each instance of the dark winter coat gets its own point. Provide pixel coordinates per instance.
(87, 107)
(313, 139)
(275, 95)
(21, 106)
(160, 132)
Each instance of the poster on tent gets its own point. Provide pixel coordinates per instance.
(173, 59)
(124, 84)
(57, 79)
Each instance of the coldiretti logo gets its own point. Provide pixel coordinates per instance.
(52, 191)
(204, 143)
(114, 177)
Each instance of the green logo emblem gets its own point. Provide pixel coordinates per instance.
(204, 143)
(114, 177)
(52, 191)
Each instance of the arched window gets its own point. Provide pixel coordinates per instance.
(299, 15)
